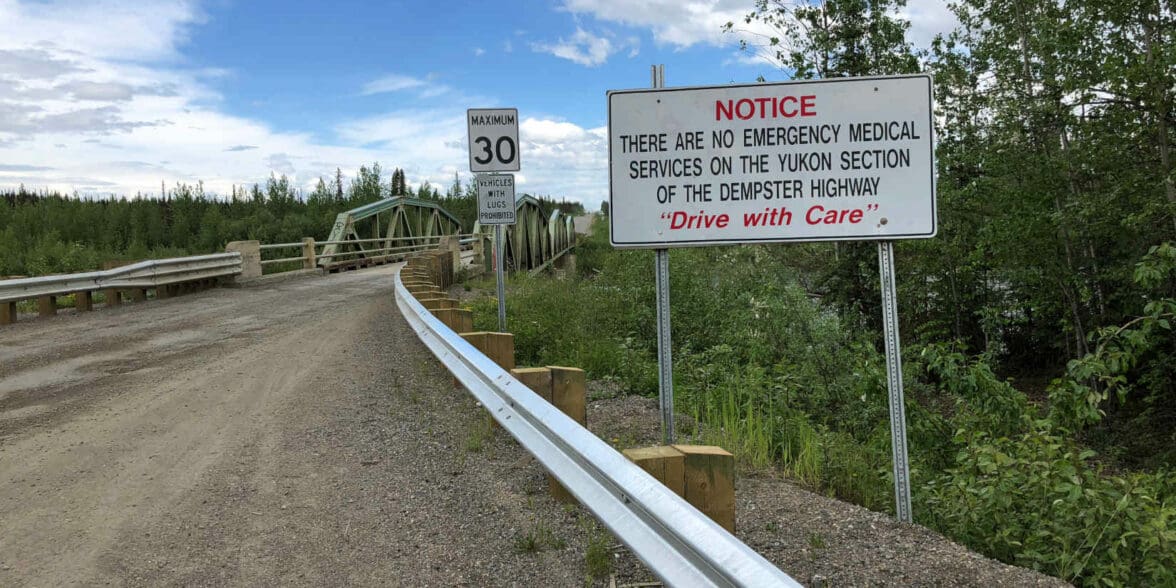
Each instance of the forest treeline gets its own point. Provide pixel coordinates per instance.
(44, 232)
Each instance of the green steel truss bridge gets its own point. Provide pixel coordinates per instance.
(393, 227)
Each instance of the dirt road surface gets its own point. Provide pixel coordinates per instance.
(296, 433)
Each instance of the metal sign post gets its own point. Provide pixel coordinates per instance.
(665, 362)
(498, 274)
(898, 437)
(494, 147)
(496, 206)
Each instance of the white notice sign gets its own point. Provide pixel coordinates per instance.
(496, 199)
(838, 159)
(494, 139)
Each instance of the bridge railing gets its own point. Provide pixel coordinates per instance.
(354, 251)
(165, 276)
(678, 543)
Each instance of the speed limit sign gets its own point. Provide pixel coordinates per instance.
(494, 139)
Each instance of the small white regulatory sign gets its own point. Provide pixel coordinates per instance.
(494, 139)
(824, 160)
(496, 199)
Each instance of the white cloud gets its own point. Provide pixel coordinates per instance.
(683, 24)
(478, 51)
(583, 48)
(672, 22)
(928, 18)
(558, 154)
(391, 83)
(145, 30)
(423, 88)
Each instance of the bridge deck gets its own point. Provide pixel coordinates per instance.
(296, 433)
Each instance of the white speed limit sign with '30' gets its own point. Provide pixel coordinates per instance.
(494, 139)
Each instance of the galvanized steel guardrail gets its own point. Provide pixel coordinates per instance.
(144, 274)
(678, 543)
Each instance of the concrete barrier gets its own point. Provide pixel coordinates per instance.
(250, 258)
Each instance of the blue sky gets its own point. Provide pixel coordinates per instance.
(117, 96)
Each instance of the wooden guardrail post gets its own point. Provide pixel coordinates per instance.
(537, 379)
(459, 320)
(84, 301)
(710, 482)
(499, 347)
(308, 255)
(666, 464)
(113, 296)
(569, 392)
(564, 388)
(435, 303)
(47, 306)
(421, 290)
(451, 244)
(702, 474)
(7, 313)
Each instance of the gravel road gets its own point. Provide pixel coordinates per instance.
(297, 433)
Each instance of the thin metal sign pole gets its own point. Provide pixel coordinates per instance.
(498, 257)
(665, 364)
(898, 436)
